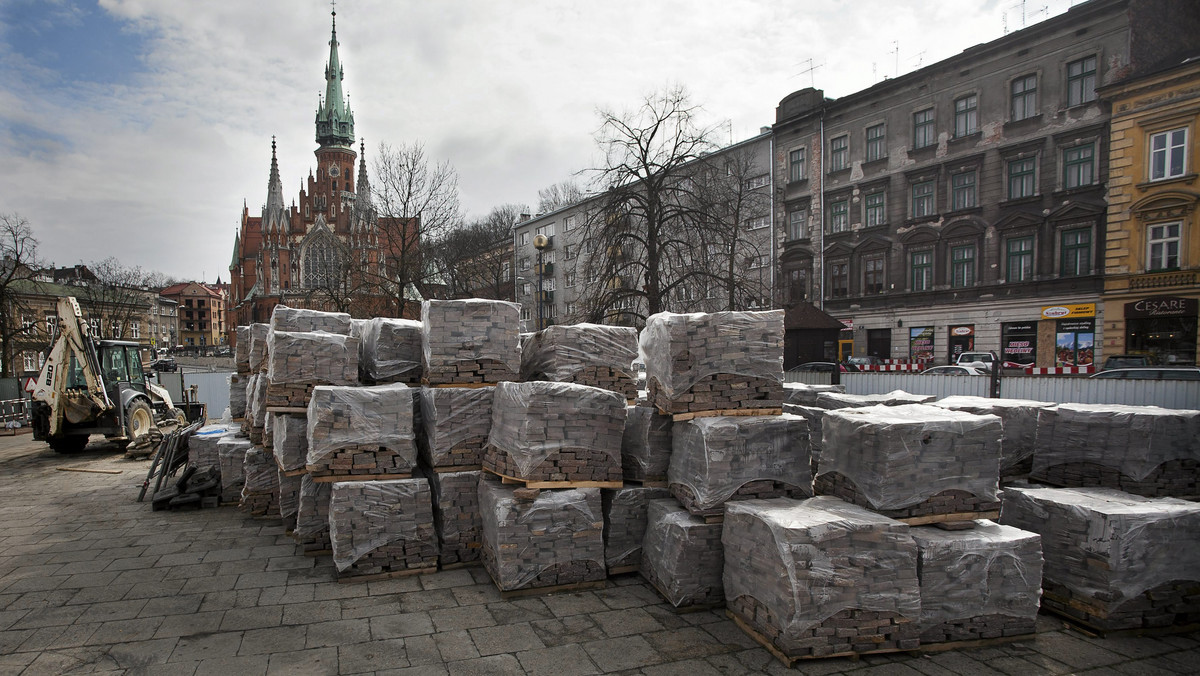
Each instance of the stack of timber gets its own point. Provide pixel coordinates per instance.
(456, 516)
(625, 525)
(257, 359)
(917, 463)
(302, 360)
(381, 529)
(285, 318)
(470, 341)
(820, 578)
(646, 445)
(260, 490)
(361, 433)
(556, 434)
(534, 539)
(391, 351)
(1019, 418)
(682, 556)
(312, 517)
(455, 423)
(806, 395)
(714, 362)
(585, 354)
(237, 395)
(979, 583)
(289, 434)
(289, 500)
(1113, 561)
(231, 453)
(241, 350)
(1145, 450)
(836, 400)
(202, 445)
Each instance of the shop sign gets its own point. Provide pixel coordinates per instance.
(962, 331)
(1162, 306)
(847, 324)
(1068, 311)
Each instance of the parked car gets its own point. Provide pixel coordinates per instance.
(823, 367)
(1151, 373)
(864, 361)
(1127, 361)
(954, 370)
(164, 364)
(980, 360)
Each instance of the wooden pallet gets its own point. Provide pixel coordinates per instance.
(1090, 629)
(320, 552)
(649, 483)
(623, 570)
(287, 409)
(295, 472)
(456, 468)
(556, 484)
(972, 643)
(460, 564)
(425, 382)
(390, 575)
(332, 478)
(948, 518)
(680, 417)
(790, 661)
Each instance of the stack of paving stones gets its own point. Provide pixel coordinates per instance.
(456, 516)
(821, 577)
(980, 583)
(241, 350)
(815, 417)
(1019, 418)
(625, 525)
(1113, 561)
(541, 539)
(391, 351)
(455, 423)
(470, 341)
(231, 453)
(585, 354)
(289, 500)
(202, 445)
(257, 359)
(260, 490)
(268, 436)
(312, 517)
(709, 362)
(380, 528)
(806, 395)
(285, 318)
(835, 400)
(361, 432)
(302, 360)
(682, 556)
(256, 394)
(289, 434)
(718, 459)
(1145, 450)
(646, 445)
(237, 396)
(556, 432)
(919, 463)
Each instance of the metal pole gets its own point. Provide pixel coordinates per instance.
(541, 322)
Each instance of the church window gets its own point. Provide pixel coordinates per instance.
(322, 263)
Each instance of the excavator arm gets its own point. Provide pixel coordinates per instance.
(70, 382)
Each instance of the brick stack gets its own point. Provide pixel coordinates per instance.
(537, 539)
(980, 583)
(806, 395)
(815, 417)
(919, 463)
(260, 490)
(456, 516)
(237, 396)
(836, 400)
(202, 445)
(391, 351)
(585, 354)
(723, 458)
(289, 500)
(362, 432)
(682, 556)
(231, 452)
(1019, 418)
(241, 350)
(256, 401)
(1113, 560)
(470, 341)
(312, 517)
(257, 359)
(708, 362)
(556, 432)
(646, 445)
(821, 577)
(285, 318)
(625, 525)
(1145, 450)
(455, 423)
(381, 527)
(301, 360)
(289, 433)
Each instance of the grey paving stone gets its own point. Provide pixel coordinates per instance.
(327, 634)
(420, 670)
(372, 656)
(316, 611)
(233, 598)
(573, 629)
(467, 617)
(78, 660)
(252, 618)
(505, 639)
(189, 625)
(142, 653)
(271, 579)
(273, 640)
(582, 603)
(455, 645)
(615, 654)
(1074, 652)
(693, 667)
(686, 643)
(496, 665)
(315, 662)
(114, 592)
(185, 604)
(253, 665)
(125, 631)
(566, 660)
(433, 599)
(448, 578)
(519, 610)
(48, 617)
(410, 583)
(112, 610)
(422, 650)
(401, 625)
(292, 593)
(240, 566)
(626, 622)
(206, 646)
(470, 594)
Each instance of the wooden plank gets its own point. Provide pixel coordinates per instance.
(942, 518)
(972, 643)
(680, 417)
(320, 552)
(391, 575)
(556, 484)
(622, 570)
(287, 409)
(295, 472)
(456, 468)
(460, 564)
(85, 469)
(360, 477)
(425, 381)
(649, 483)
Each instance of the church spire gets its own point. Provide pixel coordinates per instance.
(335, 120)
(364, 185)
(273, 212)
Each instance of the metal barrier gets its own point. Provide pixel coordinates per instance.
(14, 413)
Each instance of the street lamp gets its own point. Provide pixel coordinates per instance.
(540, 242)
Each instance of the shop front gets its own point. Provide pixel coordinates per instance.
(1163, 327)
(961, 339)
(1069, 334)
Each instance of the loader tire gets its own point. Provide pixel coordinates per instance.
(178, 414)
(139, 418)
(69, 444)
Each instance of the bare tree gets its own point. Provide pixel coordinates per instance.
(476, 259)
(559, 195)
(19, 263)
(116, 298)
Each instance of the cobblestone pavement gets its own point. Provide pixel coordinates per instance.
(93, 581)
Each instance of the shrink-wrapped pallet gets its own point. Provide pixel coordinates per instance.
(312, 516)
(722, 458)
(544, 431)
(202, 445)
(717, 361)
(391, 351)
(1018, 417)
(241, 350)
(361, 430)
(293, 319)
(981, 583)
(645, 444)
(237, 395)
(258, 347)
(821, 577)
(381, 527)
(256, 393)
(534, 539)
(915, 462)
(1113, 560)
(456, 515)
(815, 417)
(289, 500)
(836, 400)
(289, 434)
(585, 354)
(625, 525)
(260, 490)
(470, 341)
(1146, 450)
(455, 423)
(301, 360)
(682, 556)
(231, 452)
(806, 395)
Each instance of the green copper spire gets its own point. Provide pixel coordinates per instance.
(335, 120)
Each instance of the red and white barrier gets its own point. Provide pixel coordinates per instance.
(1059, 370)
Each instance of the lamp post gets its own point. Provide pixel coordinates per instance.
(539, 243)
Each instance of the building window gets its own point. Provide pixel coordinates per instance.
(758, 222)
(1081, 81)
(27, 324)
(547, 230)
(322, 263)
(759, 262)
(797, 224)
(1076, 252)
(962, 190)
(876, 142)
(1021, 178)
(1078, 169)
(506, 271)
(525, 264)
(523, 238)
(839, 216)
(1162, 246)
(1019, 261)
(526, 314)
(924, 130)
(839, 280)
(1024, 97)
(568, 223)
(966, 116)
(526, 289)
(51, 324)
(962, 265)
(758, 181)
(30, 360)
(1167, 150)
(135, 330)
(921, 263)
(876, 209)
(796, 165)
(922, 199)
(839, 153)
(873, 274)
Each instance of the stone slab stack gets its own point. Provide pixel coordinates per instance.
(456, 516)
(289, 436)
(256, 400)
(1019, 418)
(312, 516)
(260, 490)
(302, 360)
(815, 417)
(237, 395)
(1145, 450)
(241, 350)
(625, 525)
(470, 341)
(1113, 560)
(916, 462)
(285, 318)
(821, 577)
(646, 444)
(836, 400)
(720, 361)
(980, 583)
(391, 351)
(682, 556)
(455, 423)
(585, 354)
(257, 359)
(231, 453)
(289, 500)
(806, 395)
(361, 431)
(203, 451)
(382, 527)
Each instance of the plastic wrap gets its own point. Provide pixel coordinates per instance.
(559, 353)
(237, 395)
(625, 523)
(232, 454)
(806, 395)
(260, 473)
(537, 423)
(714, 457)
(555, 538)
(378, 417)
(809, 560)
(646, 444)
(258, 347)
(241, 350)
(370, 516)
(1019, 418)
(836, 400)
(391, 350)
(1135, 440)
(456, 515)
(290, 436)
(292, 319)
(899, 456)
(289, 499)
(456, 422)
(202, 445)
(357, 327)
(312, 357)
(458, 333)
(312, 509)
(256, 393)
(681, 349)
(682, 555)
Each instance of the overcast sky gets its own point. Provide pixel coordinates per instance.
(137, 128)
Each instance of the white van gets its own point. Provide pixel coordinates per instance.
(980, 360)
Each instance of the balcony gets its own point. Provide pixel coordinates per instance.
(546, 297)
(546, 269)
(1163, 280)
